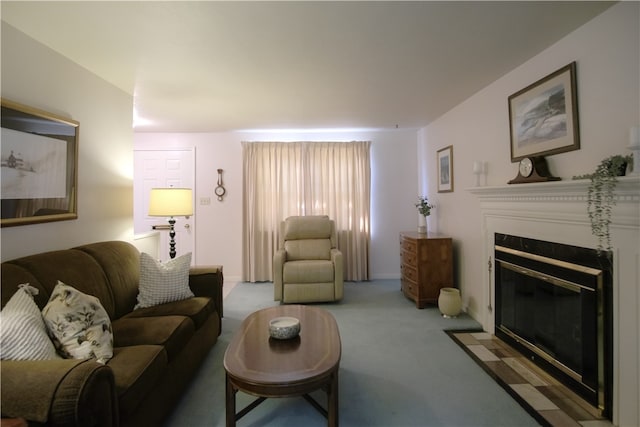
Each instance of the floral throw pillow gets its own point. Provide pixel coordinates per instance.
(161, 283)
(79, 325)
(23, 334)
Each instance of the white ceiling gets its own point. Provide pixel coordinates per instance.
(219, 66)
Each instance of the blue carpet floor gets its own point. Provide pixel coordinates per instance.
(398, 368)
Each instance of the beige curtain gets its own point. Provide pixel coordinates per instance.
(306, 178)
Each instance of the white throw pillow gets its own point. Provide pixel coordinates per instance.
(23, 334)
(79, 325)
(163, 282)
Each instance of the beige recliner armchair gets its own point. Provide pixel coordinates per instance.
(307, 266)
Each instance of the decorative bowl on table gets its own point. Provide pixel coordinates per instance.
(284, 328)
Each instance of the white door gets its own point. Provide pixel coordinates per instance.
(164, 168)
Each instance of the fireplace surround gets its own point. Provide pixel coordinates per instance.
(556, 212)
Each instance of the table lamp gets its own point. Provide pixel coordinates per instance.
(171, 202)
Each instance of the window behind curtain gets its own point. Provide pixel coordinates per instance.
(283, 179)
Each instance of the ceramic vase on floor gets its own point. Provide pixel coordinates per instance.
(449, 302)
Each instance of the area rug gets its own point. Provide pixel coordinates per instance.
(398, 368)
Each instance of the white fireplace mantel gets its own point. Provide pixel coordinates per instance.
(566, 198)
(557, 212)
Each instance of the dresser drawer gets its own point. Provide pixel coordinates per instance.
(409, 258)
(408, 245)
(409, 273)
(409, 288)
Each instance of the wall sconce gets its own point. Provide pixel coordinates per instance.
(479, 169)
(170, 202)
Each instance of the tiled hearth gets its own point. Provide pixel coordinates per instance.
(542, 396)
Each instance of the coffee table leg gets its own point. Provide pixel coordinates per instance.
(230, 403)
(333, 402)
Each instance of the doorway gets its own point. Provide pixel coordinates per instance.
(164, 168)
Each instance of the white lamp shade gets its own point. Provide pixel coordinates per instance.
(171, 202)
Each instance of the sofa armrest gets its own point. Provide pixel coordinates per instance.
(65, 392)
(207, 281)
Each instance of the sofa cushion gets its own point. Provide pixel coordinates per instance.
(23, 334)
(136, 370)
(121, 264)
(69, 266)
(312, 271)
(12, 276)
(163, 282)
(171, 332)
(198, 309)
(78, 323)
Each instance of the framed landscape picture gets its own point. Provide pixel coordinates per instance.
(543, 117)
(445, 170)
(39, 164)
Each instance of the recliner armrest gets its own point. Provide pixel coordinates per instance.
(338, 265)
(278, 264)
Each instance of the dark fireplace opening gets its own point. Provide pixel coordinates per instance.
(553, 303)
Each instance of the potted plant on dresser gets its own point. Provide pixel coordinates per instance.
(424, 209)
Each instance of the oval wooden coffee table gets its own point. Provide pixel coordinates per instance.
(266, 367)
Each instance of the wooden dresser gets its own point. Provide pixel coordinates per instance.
(426, 266)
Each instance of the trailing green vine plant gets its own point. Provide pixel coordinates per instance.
(601, 198)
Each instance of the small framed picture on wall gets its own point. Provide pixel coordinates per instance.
(445, 170)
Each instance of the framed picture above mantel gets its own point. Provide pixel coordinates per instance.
(543, 117)
(39, 164)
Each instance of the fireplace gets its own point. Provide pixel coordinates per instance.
(556, 212)
(553, 302)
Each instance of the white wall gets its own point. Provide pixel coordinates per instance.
(606, 50)
(36, 76)
(219, 225)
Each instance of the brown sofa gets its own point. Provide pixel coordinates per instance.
(157, 350)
